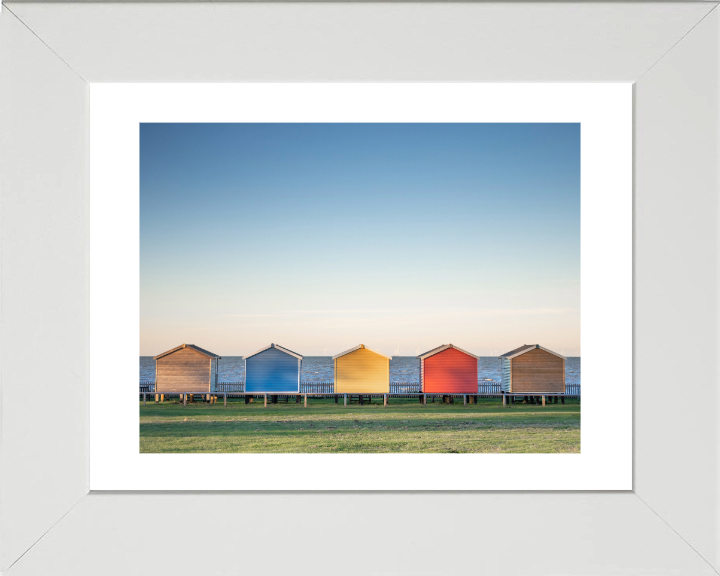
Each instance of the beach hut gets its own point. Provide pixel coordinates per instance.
(448, 369)
(187, 368)
(273, 370)
(361, 371)
(533, 370)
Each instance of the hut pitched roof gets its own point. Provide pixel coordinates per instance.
(526, 348)
(299, 356)
(441, 349)
(358, 347)
(192, 347)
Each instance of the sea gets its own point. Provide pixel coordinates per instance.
(320, 369)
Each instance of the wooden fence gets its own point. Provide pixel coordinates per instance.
(405, 388)
(572, 389)
(485, 387)
(230, 387)
(327, 387)
(490, 388)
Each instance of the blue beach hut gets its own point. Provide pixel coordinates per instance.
(273, 370)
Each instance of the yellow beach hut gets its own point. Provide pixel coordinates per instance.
(362, 371)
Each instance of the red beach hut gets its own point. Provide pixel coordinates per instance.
(448, 369)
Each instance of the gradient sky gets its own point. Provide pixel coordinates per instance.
(320, 237)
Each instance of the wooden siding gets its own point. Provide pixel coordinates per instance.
(362, 372)
(505, 374)
(450, 371)
(537, 371)
(184, 370)
(272, 371)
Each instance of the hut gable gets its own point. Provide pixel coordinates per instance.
(442, 349)
(187, 368)
(359, 347)
(274, 370)
(277, 347)
(526, 348)
(191, 347)
(448, 369)
(362, 371)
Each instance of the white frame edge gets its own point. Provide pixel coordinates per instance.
(684, 75)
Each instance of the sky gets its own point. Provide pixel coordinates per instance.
(320, 237)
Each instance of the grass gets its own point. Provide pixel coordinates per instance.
(403, 426)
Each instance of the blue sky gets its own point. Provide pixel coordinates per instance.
(323, 236)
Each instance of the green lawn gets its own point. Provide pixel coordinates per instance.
(403, 426)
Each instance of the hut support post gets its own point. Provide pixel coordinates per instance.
(225, 400)
(543, 400)
(265, 396)
(345, 400)
(305, 400)
(464, 399)
(144, 398)
(384, 399)
(503, 399)
(184, 399)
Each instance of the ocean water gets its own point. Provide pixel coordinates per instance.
(320, 369)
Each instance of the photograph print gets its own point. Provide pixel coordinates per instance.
(360, 288)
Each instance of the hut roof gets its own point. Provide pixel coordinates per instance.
(192, 347)
(526, 348)
(358, 347)
(444, 347)
(299, 356)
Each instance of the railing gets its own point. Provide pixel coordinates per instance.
(491, 388)
(317, 387)
(485, 387)
(405, 388)
(147, 386)
(230, 387)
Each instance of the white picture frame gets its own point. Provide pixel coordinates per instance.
(49, 523)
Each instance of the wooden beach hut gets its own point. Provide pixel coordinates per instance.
(533, 370)
(448, 369)
(187, 368)
(361, 371)
(273, 370)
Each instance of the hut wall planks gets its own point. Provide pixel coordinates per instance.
(450, 371)
(537, 371)
(272, 371)
(362, 372)
(184, 370)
